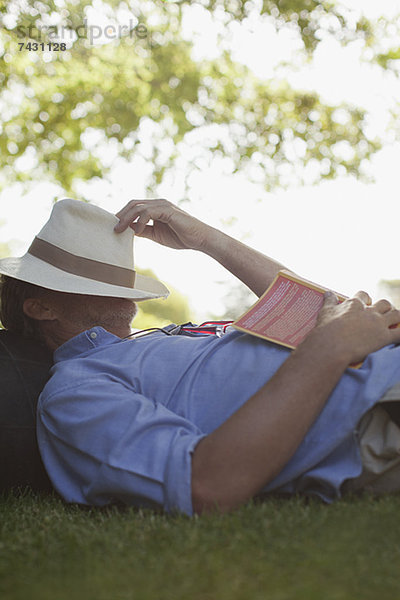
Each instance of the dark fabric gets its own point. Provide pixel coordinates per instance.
(24, 369)
(393, 410)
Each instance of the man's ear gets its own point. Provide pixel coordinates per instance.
(39, 309)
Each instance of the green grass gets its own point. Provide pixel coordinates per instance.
(280, 549)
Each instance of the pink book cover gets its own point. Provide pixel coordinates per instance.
(286, 312)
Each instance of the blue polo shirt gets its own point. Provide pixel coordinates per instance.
(120, 419)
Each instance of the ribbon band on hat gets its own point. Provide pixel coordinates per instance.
(78, 265)
(77, 251)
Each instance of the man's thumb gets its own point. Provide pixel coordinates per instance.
(330, 298)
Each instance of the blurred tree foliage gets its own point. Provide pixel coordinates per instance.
(4, 250)
(309, 19)
(65, 114)
(237, 300)
(158, 313)
(391, 290)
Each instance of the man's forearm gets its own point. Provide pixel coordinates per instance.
(175, 228)
(238, 459)
(251, 267)
(245, 453)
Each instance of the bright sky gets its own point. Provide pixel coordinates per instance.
(343, 234)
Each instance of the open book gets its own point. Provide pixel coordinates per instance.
(286, 312)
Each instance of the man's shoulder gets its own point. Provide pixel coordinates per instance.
(85, 343)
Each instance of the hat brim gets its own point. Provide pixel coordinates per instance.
(33, 270)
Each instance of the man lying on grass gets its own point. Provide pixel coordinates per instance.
(194, 424)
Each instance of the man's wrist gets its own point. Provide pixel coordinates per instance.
(323, 351)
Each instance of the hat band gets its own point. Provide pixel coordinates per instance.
(78, 265)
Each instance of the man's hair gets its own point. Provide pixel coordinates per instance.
(13, 294)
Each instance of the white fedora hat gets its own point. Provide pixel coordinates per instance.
(77, 251)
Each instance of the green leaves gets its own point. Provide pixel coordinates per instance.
(66, 114)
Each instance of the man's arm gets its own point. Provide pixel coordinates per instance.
(251, 267)
(175, 228)
(245, 453)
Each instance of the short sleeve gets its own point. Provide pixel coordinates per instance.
(102, 442)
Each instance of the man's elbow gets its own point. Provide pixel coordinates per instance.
(214, 488)
(207, 499)
(208, 495)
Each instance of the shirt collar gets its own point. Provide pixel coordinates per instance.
(84, 342)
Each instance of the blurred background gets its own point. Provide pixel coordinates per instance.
(276, 121)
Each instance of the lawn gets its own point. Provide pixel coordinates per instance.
(279, 549)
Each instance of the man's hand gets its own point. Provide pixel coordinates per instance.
(171, 226)
(355, 327)
(250, 448)
(175, 228)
